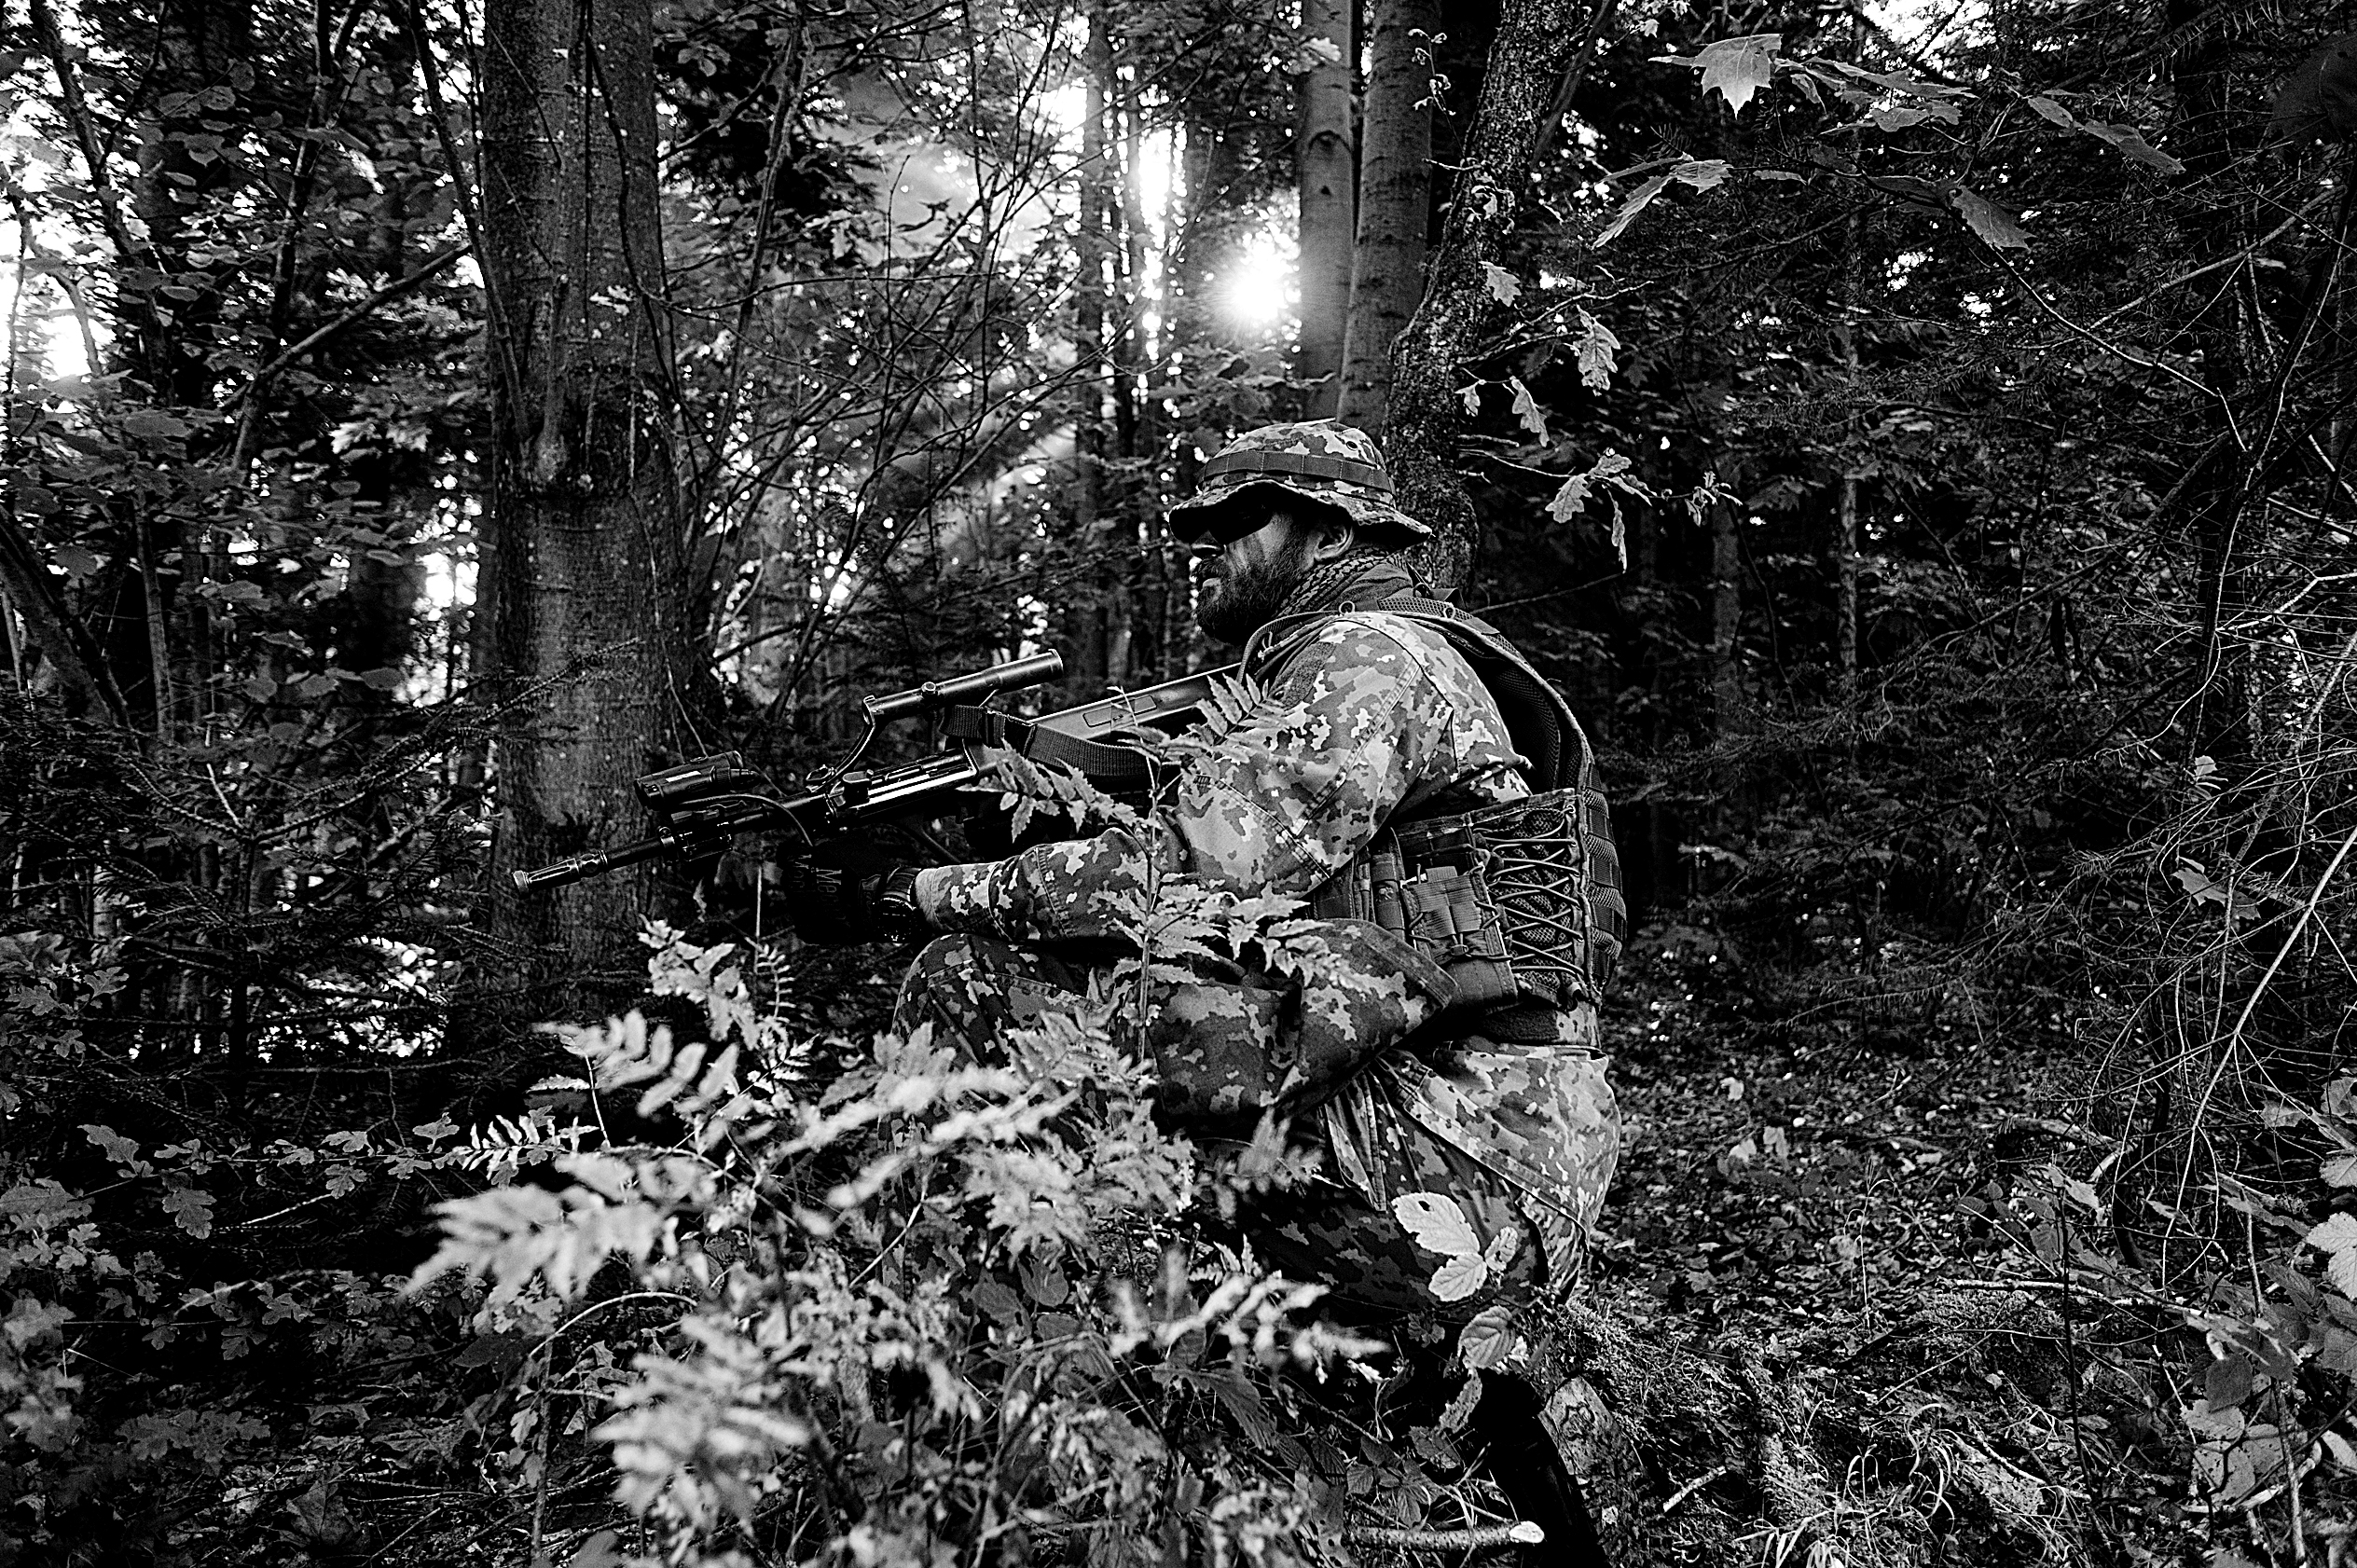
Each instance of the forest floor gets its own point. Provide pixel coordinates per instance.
(1817, 1199)
(1766, 1182)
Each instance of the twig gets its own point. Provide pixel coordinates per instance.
(1575, 78)
(2070, 1287)
(2060, 1128)
(1068, 1542)
(1521, 1533)
(462, 188)
(2233, 1036)
(2069, 325)
(1925, 67)
(77, 114)
(1678, 1497)
(359, 313)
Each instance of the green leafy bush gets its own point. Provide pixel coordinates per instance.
(935, 1304)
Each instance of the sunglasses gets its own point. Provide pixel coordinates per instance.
(1223, 527)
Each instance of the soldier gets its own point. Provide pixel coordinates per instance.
(1457, 1077)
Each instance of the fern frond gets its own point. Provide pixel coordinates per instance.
(517, 1234)
(699, 1442)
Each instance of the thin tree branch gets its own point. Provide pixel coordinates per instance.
(2076, 330)
(77, 114)
(1916, 62)
(69, 649)
(1544, 141)
(358, 313)
(462, 187)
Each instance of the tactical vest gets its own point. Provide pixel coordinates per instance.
(1521, 900)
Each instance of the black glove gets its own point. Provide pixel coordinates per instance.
(842, 894)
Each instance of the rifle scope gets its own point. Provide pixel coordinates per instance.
(935, 695)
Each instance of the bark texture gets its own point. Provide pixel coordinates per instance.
(2201, 71)
(1090, 622)
(584, 580)
(1326, 163)
(1386, 277)
(1727, 618)
(1536, 41)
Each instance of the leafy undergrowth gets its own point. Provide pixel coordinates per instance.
(1862, 1302)
(1898, 1260)
(1809, 1209)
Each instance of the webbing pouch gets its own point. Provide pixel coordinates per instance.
(1513, 899)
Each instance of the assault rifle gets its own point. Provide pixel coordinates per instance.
(697, 806)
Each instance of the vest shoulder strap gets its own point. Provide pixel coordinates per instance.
(1538, 720)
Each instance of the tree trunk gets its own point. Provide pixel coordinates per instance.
(1843, 567)
(1087, 633)
(2202, 73)
(1386, 277)
(1324, 163)
(1537, 39)
(1842, 548)
(584, 587)
(1727, 617)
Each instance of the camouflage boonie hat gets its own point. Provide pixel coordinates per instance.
(1323, 460)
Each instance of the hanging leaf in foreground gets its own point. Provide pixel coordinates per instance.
(2127, 138)
(1637, 203)
(1610, 471)
(1702, 173)
(1596, 347)
(1527, 410)
(1735, 68)
(1999, 228)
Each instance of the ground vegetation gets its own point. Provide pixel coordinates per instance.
(1918, 439)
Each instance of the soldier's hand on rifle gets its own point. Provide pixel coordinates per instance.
(843, 893)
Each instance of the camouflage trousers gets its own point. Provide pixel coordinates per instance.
(1340, 1231)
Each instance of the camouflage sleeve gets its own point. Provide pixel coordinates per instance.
(1366, 718)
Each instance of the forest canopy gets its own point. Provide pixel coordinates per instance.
(1916, 437)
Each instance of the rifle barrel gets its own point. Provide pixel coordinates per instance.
(709, 800)
(590, 862)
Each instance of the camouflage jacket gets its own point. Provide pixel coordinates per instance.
(1374, 716)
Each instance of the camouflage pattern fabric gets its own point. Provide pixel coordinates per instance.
(1371, 716)
(1227, 1050)
(1323, 460)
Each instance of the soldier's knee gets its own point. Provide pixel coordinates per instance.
(944, 957)
(942, 972)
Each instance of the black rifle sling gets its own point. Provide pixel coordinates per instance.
(1110, 767)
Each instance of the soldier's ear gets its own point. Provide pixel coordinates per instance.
(1337, 531)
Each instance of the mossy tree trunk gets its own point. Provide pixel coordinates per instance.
(1538, 43)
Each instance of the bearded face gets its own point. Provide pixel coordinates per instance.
(1240, 588)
